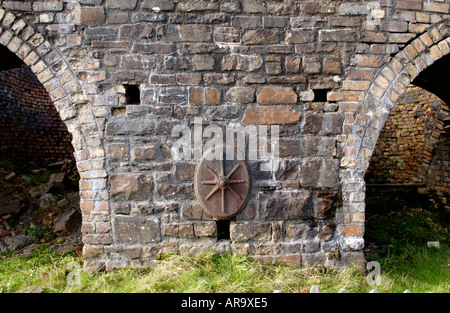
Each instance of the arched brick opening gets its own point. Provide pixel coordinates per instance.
(381, 96)
(32, 133)
(75, 110)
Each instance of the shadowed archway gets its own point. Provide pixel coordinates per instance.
(73, 107)
(384, 91)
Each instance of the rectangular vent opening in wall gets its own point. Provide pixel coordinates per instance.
(320, 95)
(223, 230)
(132, 94)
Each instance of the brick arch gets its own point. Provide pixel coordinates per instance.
(381, 96)
(55, 74)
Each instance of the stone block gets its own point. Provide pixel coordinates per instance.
(136, 230)
(48, 6)
(121, 4)
(189, 78)
(294, 260)
(240, 95)
(287, 170)
(337, 35)
(351, 8)
(319, 173)
(352, 230)
(163, 5)
(289, 148)
(68, 222)
(194, 212)
(261, 37)
(196, 96)
(212, 96)
(185, 171)
(206, 229)
(144, 153)
(270, 116)
(89, 16)
(409, 4)
(356, 259)
(313, 259)
(17, 5)
(292, 64)
(128, 186)
(119, 152)
(173, 230)
(124, 126)
(195, 32)
(300, 36)
(197, 5)
(332, 123)
(253, 6)
(237, 62)
(230, 6)
(319, 146)
(273, 68)
(246, 22)
(203, 62)
(332, 65)
(227, 35)
(313, 122)
(285, 205)
(153, 48)
(276, 95)
(136, 31)
(250, 231)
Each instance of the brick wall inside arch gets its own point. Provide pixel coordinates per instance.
(406, 145)
(31, 131)
(438, 176)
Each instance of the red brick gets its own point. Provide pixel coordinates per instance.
(351, 230)
(196, 96)
(212, 96)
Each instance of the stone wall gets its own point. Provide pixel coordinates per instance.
(32, 133)
(123, 74)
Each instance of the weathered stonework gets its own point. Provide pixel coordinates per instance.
(333, 69)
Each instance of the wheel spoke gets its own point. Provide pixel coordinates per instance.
(209, 182)
(233, 170)
(212, 192)
(212, 172)
(234, 193)
(223, 201)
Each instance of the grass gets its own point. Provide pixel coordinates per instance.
(209, 273)
(397, 239)
(398, 225)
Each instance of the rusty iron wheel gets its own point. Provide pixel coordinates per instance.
(222, 186)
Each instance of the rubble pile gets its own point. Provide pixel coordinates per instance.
(39, 206)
